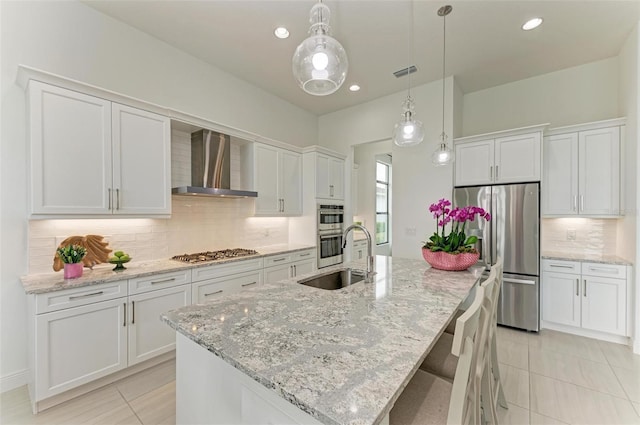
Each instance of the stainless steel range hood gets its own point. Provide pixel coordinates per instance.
(210, 167)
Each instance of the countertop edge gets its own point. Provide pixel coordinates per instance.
(585, 258)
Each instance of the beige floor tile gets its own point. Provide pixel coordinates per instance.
(515, 415)
(574, 345)
(575, 370)
(513, 353)
(637, 406)
(578, 405)
(620, 356)
(15, 407)
(515, 383)
(141, 383)
(158, 406)
(515, 335)
(538, 419)
(630, 381)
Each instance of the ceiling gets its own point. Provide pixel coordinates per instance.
(485, 45)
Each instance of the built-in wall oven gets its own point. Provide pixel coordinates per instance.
(330, 227)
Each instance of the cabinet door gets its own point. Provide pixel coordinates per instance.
(266, 179)
(560, 183)
(517, 158)
(561, 298)
(70, 149)
(604, 304)
(277, 273)
(322, 176)
(78, 345)
(303, 267)
(291, 182)
(336, 178)
(148, 335)
(474, 163)
(142, 162)
(211, 288)
(599, 171)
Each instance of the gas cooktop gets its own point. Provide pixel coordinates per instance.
(200, 257)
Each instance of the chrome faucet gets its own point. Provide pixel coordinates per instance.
(370, 259)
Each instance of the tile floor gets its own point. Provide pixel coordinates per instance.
(549, 378)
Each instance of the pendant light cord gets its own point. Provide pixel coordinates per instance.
(444, 48)
(410, 46)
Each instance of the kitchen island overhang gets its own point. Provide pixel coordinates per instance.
(334, 357)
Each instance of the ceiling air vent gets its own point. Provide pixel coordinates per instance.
(405, 71)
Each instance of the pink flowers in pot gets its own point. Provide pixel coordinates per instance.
(456, 241)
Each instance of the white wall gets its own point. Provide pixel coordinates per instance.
(73, 40)
(571, 96)
(416, 183)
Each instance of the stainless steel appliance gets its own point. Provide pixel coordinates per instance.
(330, 223)
(222, 254)
(513, 234)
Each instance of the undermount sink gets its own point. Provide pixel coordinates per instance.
(336, 280)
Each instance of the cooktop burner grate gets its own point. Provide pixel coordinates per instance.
(200, 257)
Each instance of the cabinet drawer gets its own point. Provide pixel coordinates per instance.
(605, 270)
(212, 288)
(218, 270)
(158, 281)
(59, 300)
(303, 255)
(560, 266)
(277, 260)
(360, 244)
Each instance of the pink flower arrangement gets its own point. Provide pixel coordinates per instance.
(456, 241)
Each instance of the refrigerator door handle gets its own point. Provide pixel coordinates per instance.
(494, 227)
(520, 281)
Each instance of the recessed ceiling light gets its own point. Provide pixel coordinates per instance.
(531, 24)
(354, 87)
(281, 32)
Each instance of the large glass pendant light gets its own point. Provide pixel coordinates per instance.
(320, 63)
(443, 155)
(408, 131)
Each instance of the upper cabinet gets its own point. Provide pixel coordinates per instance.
(91, 156)
(503, 157)
(582, 170)
(278, 181)
(329, 177)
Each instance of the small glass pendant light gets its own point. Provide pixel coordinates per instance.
(320, 62)
(443, 155)
(408, 131)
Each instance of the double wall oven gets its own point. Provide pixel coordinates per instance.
(330, 228)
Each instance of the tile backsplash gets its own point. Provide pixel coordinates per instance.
(196, 224)
(579, 235)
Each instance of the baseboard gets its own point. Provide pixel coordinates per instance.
(603, 336)
(14, 380)
(636, 346)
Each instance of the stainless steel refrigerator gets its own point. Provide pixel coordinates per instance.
(513, 233)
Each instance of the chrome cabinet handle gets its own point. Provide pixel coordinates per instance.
(490, 172)
(124, 310)
(109, 198)
(117, 199)
(93, 294)
(213, 293)
(603, 269)
(331, 190)
(155, 282)
(295, 270)
(305, 255)
(497, 173)
(559, 266)
(248, 284)
(585, 288)
(581, 203)
(133, 312)
(279, 259)
(575, 203)
(577, 287)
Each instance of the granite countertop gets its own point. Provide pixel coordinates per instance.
(342, 356)
(102, 273)
(592, 258)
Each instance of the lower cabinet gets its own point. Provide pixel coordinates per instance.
(209, 289)
(359, 250)
(286, 266)
(588, 296)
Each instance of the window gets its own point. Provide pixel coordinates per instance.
(382, 203)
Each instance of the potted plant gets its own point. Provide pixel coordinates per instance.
(71, 256)
(452, 251)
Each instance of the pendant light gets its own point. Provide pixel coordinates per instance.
(320, 63)
(408, 131)
(443, 155)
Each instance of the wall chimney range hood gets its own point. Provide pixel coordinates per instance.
(211, 167)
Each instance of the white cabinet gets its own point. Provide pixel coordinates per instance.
(503, 157)
(285, 266)
(278, 181)
(91, 156)
(359, 249)
(589, 296)
(582, 170)
(218, 279)
(329, 177)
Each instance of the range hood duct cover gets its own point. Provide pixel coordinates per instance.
(211, 167)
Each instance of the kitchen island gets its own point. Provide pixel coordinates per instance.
(291, 353)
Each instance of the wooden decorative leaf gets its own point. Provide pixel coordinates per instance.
(97, 250)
